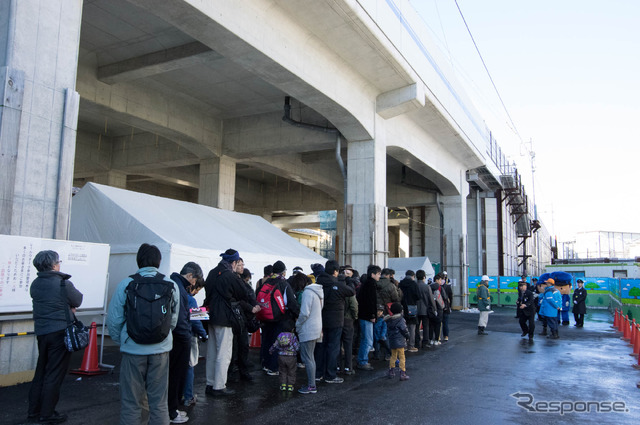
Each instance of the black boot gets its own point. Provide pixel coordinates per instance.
(544, 331)
(481, 331)
(554, 335)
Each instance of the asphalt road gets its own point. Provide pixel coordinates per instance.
(471, 379)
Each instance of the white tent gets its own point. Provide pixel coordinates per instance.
(401, 265)
(183, 232)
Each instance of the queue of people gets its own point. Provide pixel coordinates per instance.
(318, 322)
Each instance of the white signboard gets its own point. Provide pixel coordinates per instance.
(87, 263)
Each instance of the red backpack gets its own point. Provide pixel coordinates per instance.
(271, 302)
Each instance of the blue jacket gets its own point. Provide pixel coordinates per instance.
(380, 330)
(398, 332)
(551, 302)
(183, 327)
(116, 322)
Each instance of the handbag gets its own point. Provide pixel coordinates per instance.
(76, 335)
(412, 310)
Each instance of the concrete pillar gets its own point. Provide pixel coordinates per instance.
(38, 114)
(366, 214)
(112, 178)
(218, 182)
(417, 235)
(39, 42)
(455, 231)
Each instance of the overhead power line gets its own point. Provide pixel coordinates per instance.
(489, 74)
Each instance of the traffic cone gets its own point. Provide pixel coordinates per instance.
(620, 322)
(615, 320)
(256, 340)
(632, 333)
(636, 341)
(90, 360)
(626, 332)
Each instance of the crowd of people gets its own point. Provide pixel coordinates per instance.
(540, 297)
(330, 323)
(318, 322)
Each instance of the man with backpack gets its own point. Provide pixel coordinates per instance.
(278, 307)
(223, 288)
(142, 313)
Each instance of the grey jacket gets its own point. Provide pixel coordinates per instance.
(49, 304)
(426, 301)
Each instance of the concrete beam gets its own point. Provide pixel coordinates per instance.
(324, 177)
(157, 63)
(400, 101)
(266, 134)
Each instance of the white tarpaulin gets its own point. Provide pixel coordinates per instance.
(183, 232)
(401, 265)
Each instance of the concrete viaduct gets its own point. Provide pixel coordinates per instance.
(186, 99)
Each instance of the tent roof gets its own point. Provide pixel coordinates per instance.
(401, 265)
(125, 219)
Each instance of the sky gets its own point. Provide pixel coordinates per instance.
(568, 73)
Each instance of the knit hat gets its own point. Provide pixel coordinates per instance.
(396, 308)
(317, 268)
(279, 267)
(230, 255)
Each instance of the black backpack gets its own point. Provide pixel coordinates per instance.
(148, 308)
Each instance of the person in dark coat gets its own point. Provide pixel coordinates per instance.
(243, 308)
(223, 287)
(579, 303)
(526, 309)
(425, 304)
(50, 300)
(446, 312)
(410, 296)
(273, 327)
(367, 313)
(181, 350)
(335, 292)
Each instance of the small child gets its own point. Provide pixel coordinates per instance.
(189, 398)
(287, 346)
(398, 334)
(380, 337)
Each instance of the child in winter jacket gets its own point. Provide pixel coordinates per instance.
(287, 346)
(198, 333)
(398, 334)
(380, 343)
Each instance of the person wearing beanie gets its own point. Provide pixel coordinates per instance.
(279, 311)
(335, 292)
(397, 333)
(222, 287)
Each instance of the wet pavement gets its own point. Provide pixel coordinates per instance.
(469, 380)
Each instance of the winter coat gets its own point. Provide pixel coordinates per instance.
(386, 291)
(551, 302)
(367, 300)
(335, 293)
(286, 344)
(446, 288)
(397, 331)
(410, 294)
(309, 323)
(117, 325)
(425, 301)
(380, 330)
(223, 287)
(528, 299)
(48, 303)
(350, 303)
(580, 301)
(183, 325)
(484, 299)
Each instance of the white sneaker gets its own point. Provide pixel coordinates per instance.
(181, 418)
(431, 342)
(437, 343)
